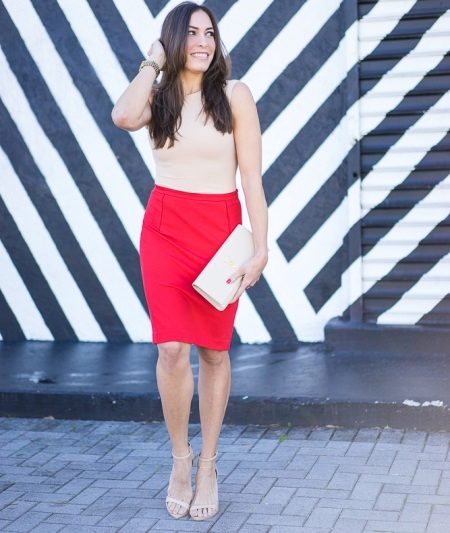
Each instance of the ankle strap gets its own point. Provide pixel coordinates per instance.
(200, 458)
(183, 456)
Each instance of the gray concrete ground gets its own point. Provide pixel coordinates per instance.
(96, 476)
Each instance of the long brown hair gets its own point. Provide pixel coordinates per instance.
(168, 94)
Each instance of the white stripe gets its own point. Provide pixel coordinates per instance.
(286, 287)
(19, 300)
(387, 256)
(139, 21)
(425, 288)
(396, 158)
(233, 26)
(287, 45)
(74, 208)
(142, 25)
(422, 297)
(319, 88)
(239, 19)
(372, 27)
(44, 251)
(334, 149)
(296, 194)
(168, 7)
(248, 323)
(331, 232)
(283, 129)
(97, 151)
(284, 283)
(108, 69)
(374, 271)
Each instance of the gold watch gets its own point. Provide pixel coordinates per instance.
(150, 63)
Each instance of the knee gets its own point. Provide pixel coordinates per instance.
(173, 356)
(213, 357)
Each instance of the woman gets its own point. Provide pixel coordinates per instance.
(201, 126)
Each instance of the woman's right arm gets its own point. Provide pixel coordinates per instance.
(132, 110)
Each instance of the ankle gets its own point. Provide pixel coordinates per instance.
(207, 462)
(185, 453)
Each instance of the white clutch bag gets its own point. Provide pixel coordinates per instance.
(211, 282)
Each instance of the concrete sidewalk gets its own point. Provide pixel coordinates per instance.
(93, 476)
(309, 386)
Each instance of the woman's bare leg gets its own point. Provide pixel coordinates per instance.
(176, 388)
(214, 384)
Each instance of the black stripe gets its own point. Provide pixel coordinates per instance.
(325, 118)
(408, 32)
(399, 202)
(33, 278)
(118, 35)
(58, 131)
(332, 193)
(219, 7)
(155, 6)
(323, 122)
(95, 96)
(398, 278)
(10, 329)
(317, 211)
(319, 278)
(261, 34)
(299, 72)
(271, 313)
(421, 8)
(440, 314)
(398, 120)
(50, 214)
(328, 280)
(235, 339)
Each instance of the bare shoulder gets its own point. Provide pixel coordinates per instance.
(241, 95)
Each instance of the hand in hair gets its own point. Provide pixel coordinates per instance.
(157, 53)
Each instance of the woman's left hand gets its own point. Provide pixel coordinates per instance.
(250, 272)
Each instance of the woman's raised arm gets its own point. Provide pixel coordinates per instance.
(132, 110)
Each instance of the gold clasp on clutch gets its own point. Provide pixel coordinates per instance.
(231, 263)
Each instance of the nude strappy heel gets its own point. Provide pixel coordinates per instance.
(169, 499)
(214, 506)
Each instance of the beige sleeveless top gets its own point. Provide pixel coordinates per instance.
(202, 158)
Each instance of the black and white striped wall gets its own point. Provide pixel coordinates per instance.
(354, 103)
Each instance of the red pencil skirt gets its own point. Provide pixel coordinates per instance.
(181, 231)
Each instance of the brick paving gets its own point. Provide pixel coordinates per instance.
(97, 476)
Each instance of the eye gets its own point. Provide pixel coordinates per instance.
(190, 31)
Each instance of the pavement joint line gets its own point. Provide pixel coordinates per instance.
(364, 496)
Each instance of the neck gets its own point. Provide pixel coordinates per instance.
(191, 82)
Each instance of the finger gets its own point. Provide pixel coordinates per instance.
(244, 286)
(236, 275)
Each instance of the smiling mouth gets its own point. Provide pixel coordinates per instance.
(201, 55)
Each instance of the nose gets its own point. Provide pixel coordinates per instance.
(201, 39)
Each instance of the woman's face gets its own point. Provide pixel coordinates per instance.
(200, 44)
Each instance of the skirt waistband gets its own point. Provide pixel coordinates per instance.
(196, 195)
